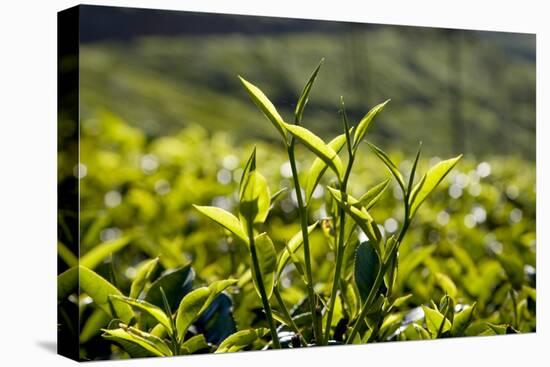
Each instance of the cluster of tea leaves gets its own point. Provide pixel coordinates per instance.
(474, 240)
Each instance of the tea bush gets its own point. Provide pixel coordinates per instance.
(196, 242)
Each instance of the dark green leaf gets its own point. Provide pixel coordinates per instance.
(367, 265)
(176, 284)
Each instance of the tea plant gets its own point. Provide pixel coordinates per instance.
(362, 293)
(376, 257)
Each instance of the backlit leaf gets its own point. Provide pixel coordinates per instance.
(240, 340)
(151, 309)
(316, 145)
(390, 165)
(99, 289)
(67, 283)
(194, 344)
(365, 123)
(302, 101)
(265, 105)
(267, 261)
(429, 182)
(254, 195)
(371, 197)
(433, 321)
(225, 219)
(319, 166)
(151, 343)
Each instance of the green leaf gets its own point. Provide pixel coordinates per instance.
(225, 219)
(95, 256)
(66, 254)
(97, 320)
(413, 169)
(360, 215)
(408, 263)
(240, 340)
(152, 344)
(318, 167)
(267, 261)
(99, 289)
(151, 309)
(390, 165)
(294, 245)
(194, 344)
(175, 283)
(513, 268)
(143, 274)
(365, 123)
(302, 101)
(462, 320)
(429, 182)
(433, 321)
(254, 195)
(446, 284)
(423, 334)
(250, 166)
(366, 267)
(276, 196)
(67, 283)
(316, 145)
(371, 197)
(196, 302)
(265, 105)
(400, 301)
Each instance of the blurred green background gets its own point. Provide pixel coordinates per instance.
(457, 91)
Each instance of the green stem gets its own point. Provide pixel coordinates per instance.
(287, 315)
(440, 330)
(514, 303)
(339, 246)
(263, 295)
(302, 209)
